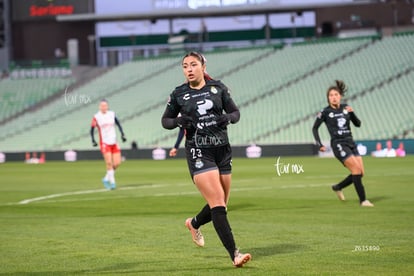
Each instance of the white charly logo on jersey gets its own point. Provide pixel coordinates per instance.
(203, 106)
(331, 115)
(345, 111)
(186, 97)
(214, 90)
(341, 122)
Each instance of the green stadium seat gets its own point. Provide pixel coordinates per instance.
(279, 92)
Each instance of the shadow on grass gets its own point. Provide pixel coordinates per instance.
(137, 268)
(276, 249)
(379, 198)
(234, 207)
(165, 268)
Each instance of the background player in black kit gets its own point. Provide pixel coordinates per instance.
(337, 118)
(201, 102)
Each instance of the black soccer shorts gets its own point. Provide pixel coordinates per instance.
(343, 149)
(206, 159)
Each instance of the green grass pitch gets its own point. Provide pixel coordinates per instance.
(56, 219)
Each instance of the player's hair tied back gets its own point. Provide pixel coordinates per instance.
(341, 87)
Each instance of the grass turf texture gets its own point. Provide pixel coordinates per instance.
(291, 224)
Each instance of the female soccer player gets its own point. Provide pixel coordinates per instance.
(337, 118)
(201, 102)
(105, 121)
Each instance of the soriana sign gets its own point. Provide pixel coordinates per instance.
(50, 9)
(26, 10)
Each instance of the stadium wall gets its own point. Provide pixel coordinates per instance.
(236, 35)
(36, 34)
(377, 15)
(45, 36)
(238, 151)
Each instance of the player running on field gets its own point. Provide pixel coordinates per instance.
(337, 118)
(105, 120)
(206, 109)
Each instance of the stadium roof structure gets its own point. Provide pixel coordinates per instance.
(204, 12)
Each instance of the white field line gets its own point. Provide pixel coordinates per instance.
(30, 200)
(67, 194)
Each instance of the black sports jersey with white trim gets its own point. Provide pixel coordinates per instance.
(338, 123)
(204, 106)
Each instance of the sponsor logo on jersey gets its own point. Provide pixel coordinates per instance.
(200, 125)
(204, 105)
(200, 94)
(213, 90)
(186, 97)
(208, 141)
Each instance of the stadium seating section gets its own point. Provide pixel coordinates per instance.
(279, 91)
(18, 95)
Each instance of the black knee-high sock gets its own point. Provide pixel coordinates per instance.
(203, 217)
(222, 226)
(356, 178)
(344, 183)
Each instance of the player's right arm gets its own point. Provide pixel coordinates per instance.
(315, 131)
(170, 120)
(92, 132)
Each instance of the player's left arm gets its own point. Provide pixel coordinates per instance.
(354, 119)
(179, 138)
(174, 150)
(120, 129)
(232, 111)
